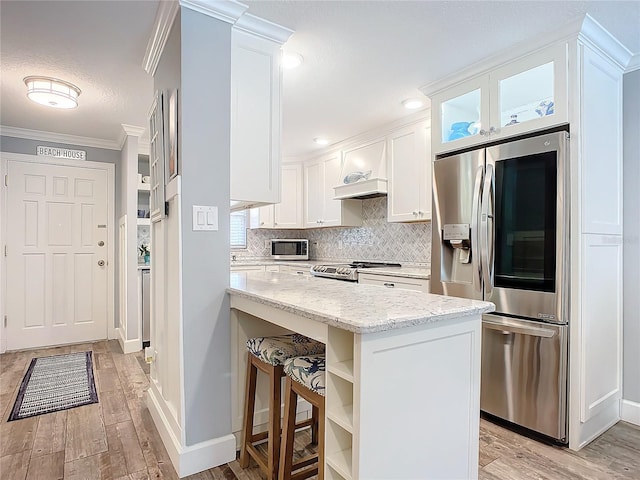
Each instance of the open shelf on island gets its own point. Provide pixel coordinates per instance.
(341, 463)
(343, 370)
(343, 416)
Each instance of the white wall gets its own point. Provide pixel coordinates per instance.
(631, 124)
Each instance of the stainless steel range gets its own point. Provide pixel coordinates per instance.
(347, 271)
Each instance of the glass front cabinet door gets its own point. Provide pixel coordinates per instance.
(530, 94)
(460, 115)
(525, 95)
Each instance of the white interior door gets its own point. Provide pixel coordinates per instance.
(57, 269)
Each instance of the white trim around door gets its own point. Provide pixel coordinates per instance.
(109, 168)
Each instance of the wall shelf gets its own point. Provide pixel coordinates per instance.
(144, 221)
(144, 187)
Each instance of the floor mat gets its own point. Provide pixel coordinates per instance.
(55, 383)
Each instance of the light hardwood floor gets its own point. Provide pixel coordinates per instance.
(116, 438)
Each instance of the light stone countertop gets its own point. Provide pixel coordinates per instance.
(421, 272)
(351, 306)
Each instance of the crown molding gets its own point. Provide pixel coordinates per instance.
(596, 36)
(263, 28)
(58, 138)
(583, 28)
(162, 24)
(130, 131)
(634, 64)
(228, 11)
(569, 31)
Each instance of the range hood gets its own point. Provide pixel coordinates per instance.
(364, 172)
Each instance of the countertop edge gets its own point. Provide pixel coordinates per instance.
(410, 321)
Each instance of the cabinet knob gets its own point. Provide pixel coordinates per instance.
(420, 212)
(493, 130)
(415, 214)
(389, 285)
(483, 132)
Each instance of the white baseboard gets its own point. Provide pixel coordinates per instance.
(630, 412)
(128, 346)
(3, 344)
(188, 460)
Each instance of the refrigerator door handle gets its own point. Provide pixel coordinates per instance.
(506, 329)
(475, 235)
(486, 231)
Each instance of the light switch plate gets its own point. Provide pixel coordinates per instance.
(205, 218)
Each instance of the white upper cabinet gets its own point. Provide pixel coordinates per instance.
(409, 174)
(524, 95)
(255, 120)
(320, 209)
(287, 213)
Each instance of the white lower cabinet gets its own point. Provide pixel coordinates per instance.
(294, 270)
(390, 281)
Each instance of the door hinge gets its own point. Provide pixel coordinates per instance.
(5, 250)
(5, 321)
(6, 180)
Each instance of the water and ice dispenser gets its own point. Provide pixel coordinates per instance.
(458, 236)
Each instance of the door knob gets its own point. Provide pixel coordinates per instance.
(101, 243)
(101, 263)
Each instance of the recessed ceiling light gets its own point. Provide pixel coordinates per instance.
(291, 60)
(413, 103)
(52, 92)
(321, 141)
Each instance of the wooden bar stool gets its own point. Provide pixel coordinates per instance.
(305, 378)
(268, 355)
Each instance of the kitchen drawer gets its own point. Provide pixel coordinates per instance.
(292, 269)
(247, 268)
(394, 282)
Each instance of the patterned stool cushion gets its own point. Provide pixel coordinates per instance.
(275, 350)
(307, 370)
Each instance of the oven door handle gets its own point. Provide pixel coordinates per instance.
(507, 329)
(486, 231)
(475, 235)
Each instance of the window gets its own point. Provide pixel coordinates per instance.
(239, 229)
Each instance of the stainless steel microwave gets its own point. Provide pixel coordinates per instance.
(289, 249)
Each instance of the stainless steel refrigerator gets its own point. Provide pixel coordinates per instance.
(501, 234)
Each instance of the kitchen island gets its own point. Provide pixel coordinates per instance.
(403, 371)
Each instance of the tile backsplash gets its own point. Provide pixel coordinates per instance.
(375, 240)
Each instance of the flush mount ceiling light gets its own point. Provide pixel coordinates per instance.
(321, 141)
(291, 60)
(413, 103)
(52, 92)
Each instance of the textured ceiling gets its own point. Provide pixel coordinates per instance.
(96, 45)
(361, 58)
